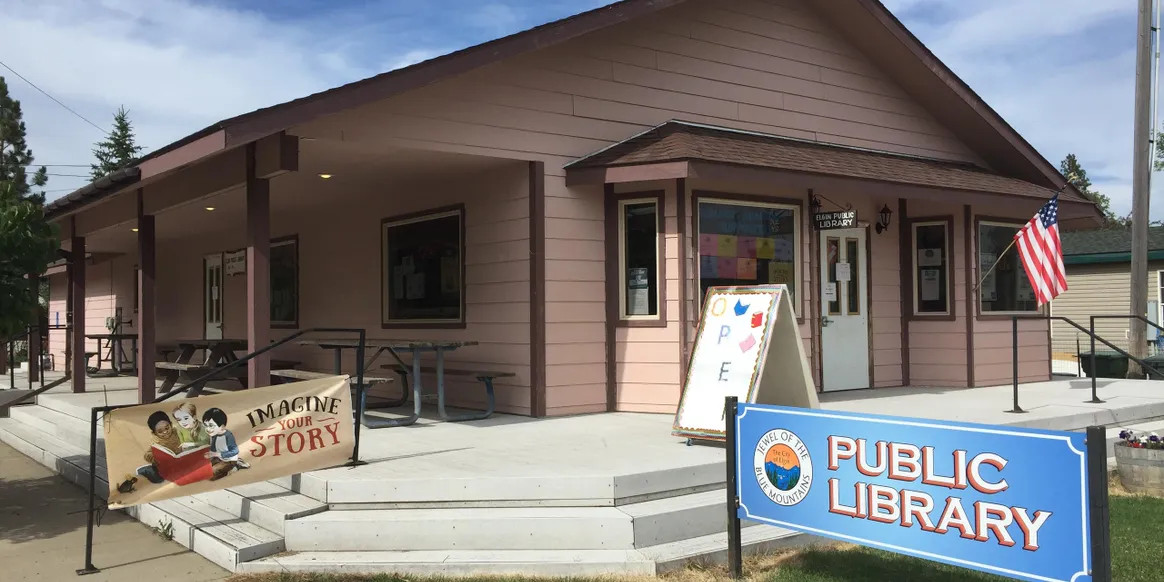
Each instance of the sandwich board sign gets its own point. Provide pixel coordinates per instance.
(747, 345)
(1017, 502)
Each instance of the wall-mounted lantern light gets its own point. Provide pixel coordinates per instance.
(883, 219)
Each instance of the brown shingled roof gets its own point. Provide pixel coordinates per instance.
(680, 141)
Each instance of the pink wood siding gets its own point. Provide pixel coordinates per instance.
(937, 346)
(339, 276)
(57, 316)
(575, 298)
(647, 370)
(765, 65)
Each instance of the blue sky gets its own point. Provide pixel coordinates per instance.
(1060, 72)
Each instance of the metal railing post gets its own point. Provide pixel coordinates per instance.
(359, 404)
(12, 364)
(1094, 372)
(1015, 362)
(89, 567)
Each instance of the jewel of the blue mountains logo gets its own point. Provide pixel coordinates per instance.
(783, 467)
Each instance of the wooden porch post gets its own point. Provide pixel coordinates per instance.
(68, 363)
(34, 336)
(258, 272)
(77, 291)
(146, 322)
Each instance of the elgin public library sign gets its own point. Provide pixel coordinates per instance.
(1023, 503)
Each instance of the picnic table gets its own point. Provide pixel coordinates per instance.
(116, 354)
(395, 347)
(217, 353)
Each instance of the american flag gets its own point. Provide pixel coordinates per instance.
(1042, 255)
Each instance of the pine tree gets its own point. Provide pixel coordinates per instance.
(118, 149)
(15, 157)
(28, 242)
(1074, 172)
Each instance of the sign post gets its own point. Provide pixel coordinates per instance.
(1023, 503)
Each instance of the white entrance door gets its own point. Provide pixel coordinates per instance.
(213, 296)
(844, 309)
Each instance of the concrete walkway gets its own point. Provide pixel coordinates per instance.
(42, 539)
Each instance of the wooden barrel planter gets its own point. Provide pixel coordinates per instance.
(1141, 470)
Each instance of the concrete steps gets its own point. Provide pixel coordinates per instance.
(651, 560)
(624, 527)
(228, 526)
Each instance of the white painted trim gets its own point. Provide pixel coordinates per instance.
(622, 315)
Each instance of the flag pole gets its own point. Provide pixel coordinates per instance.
(996, 261)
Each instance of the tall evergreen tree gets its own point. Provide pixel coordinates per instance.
(15, 157)
(118, 149)
(1074, 172)
(27, 241)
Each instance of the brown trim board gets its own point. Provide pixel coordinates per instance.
(681, 226)
(611, 299)
(537, 289)
(815, 289)
(903, 235)
(971, 279)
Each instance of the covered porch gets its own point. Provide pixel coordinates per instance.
(199, 261)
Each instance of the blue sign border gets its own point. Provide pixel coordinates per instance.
(1074, 441)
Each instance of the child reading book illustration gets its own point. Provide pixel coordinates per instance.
(223, 453)
(190, 430)
(166, 463)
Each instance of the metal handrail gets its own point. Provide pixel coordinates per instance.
(359, 413)
(1094, 337)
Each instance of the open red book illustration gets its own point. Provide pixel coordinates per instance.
(190, 466)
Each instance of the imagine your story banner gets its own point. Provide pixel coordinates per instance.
(194, 445)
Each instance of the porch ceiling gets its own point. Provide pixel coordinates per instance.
(356, 169)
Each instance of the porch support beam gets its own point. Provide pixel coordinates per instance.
(537, 289)
(258, 272)
(146, 314)
(34, 335)
(77, 291)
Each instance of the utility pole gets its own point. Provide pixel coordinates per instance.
(1141, 173)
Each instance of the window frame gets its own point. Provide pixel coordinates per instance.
(289, 240)
(620, 202)
(951, 305)
(755, 201)
(386, 322)
(1160, 299)
(979, 222)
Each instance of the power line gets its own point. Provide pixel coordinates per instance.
(68, 175)
(53, 98)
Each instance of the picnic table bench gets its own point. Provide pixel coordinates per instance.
(218, 353)
(395, 347)
(486, 377)
(293, 374)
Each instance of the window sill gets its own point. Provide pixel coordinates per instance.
(932, 317)
(429, 324)
(1008, 315)
(657, 322)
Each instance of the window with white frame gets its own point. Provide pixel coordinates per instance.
(639, 258)
(423, 262)
(748, 243)
(1005, 287)
(931, 268)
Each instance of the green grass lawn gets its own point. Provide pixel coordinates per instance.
(1137, 537)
